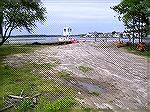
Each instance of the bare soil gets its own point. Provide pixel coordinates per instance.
(123, 75)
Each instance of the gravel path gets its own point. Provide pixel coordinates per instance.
(127, 73)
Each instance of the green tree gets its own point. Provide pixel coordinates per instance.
(135, 15)
(19, 14)
(113, 33)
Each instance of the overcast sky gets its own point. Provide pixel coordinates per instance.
(82, 15)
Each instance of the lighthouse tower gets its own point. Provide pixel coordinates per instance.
(67, 31)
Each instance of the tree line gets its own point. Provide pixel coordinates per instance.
(135, 15)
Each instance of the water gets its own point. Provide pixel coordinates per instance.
(14, 40)
(17, 40)
(92, 87)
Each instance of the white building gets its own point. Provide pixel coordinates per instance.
(130, 35)
(67, 31)
(117, 35)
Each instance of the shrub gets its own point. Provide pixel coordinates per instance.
(141, 46)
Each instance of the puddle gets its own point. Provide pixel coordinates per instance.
(92, 87)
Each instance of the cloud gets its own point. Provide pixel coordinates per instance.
(81, 1)
(79, 11)
(82, 15)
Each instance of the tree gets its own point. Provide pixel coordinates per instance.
(113, 33)
(19, 14)
(135, 15)
(95, 34)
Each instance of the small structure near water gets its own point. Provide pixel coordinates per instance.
(66, 34)
(67, 31)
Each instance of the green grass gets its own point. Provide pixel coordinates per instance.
(56, 96)
(25, 106)
(28, 77)
(135, 51)
(83, 109)
(64, 74)
(14, 49)
(60, 105)
(64, 104)
(85, 69)
(14, 80)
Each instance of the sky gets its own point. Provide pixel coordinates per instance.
(82, 16)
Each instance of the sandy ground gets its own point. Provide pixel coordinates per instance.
(124, 76)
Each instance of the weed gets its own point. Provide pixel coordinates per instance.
(95, 93)
(85, 69)
(64, 74)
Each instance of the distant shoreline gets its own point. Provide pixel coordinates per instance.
(41, 35)
(31, 36)
(36, 36)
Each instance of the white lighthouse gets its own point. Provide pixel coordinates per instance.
(67, 31)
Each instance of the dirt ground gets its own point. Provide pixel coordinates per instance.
(121, 77)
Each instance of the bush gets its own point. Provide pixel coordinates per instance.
(141, 47)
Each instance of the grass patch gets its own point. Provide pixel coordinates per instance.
(25, 106)
(14, 80)
(28, 77)
(40, 68)
(60, 105)
(85, 69)
(65, 104)
(64, 74)
(53, 43)
(89, 110)
(95, 93)
(14, 49)
(85, 109)
(132, 49)
(53, 87)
